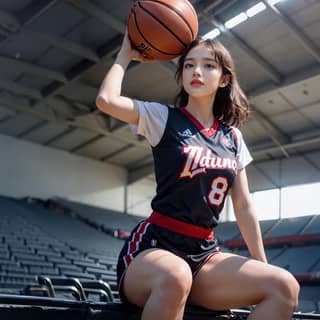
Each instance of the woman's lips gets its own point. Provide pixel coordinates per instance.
(196, 83)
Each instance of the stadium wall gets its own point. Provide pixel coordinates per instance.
(140, 195)
(29, 169)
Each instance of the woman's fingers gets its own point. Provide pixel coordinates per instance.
(138, 56)
(134, 54)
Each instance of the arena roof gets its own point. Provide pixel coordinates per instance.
(54, 54)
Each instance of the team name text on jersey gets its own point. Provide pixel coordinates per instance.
(200, 159)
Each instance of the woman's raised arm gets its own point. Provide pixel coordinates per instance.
(109, 99)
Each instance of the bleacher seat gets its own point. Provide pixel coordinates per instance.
(307, 306)
(313, 226)
(108, 218)
(316, 267)
(226, 230)
(298, 259)
(288, 226)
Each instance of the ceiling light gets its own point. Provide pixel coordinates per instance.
(212, 34)
(273, 2)
(236, 20)
(257, 8)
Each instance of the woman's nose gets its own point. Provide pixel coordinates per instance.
(196, 70)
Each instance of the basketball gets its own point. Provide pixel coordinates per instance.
(162, 29)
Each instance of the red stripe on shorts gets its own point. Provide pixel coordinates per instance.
(133, 245)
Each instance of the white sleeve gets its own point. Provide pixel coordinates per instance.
(243, 155)
(152, 121)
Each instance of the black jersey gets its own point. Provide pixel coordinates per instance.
(194, 167)
(194, 170)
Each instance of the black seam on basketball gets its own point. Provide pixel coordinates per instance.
(154, 17)
(150, 44)
(180, 15)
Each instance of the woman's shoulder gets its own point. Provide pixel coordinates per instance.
(229, 128)
(231, 131)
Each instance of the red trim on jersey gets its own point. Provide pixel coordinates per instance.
(208, 132)
(181, 227)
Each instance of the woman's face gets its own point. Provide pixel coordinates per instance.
(201, 75)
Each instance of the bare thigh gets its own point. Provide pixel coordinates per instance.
(231, 281)
(148, 269)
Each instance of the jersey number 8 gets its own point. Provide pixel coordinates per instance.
(219, 187)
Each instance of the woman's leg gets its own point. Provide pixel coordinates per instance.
(160, 282)
(229, 281)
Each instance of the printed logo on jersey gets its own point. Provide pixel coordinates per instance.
(200, 159)
(185, 133)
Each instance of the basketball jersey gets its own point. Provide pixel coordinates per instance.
(194, 167)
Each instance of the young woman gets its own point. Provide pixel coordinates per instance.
(199, 157)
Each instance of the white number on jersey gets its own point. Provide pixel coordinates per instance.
(219, 187)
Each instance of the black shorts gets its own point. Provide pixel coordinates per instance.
(146, 235)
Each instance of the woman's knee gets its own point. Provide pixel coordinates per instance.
(285, 288)
(157, 274)
(175, 283)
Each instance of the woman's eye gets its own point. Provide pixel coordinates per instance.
(210, 66)
(188, 65)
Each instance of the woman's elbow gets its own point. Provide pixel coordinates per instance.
(102, 103)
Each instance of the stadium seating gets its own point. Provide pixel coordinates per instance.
(57, 250)
(107, 218)
(288, 226)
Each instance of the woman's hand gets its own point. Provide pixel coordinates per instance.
(129, 53)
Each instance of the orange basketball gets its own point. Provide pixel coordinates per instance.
(162, 29)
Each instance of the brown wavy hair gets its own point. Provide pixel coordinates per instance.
(231, 105)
